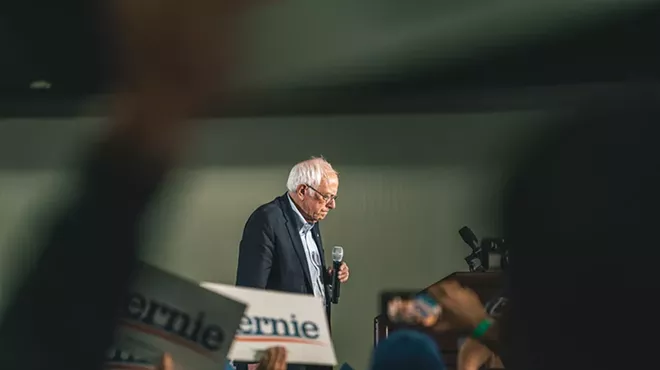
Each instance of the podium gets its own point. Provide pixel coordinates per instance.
(486, 284)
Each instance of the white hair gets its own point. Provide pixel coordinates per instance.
(310, 172)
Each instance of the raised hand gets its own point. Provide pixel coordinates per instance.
(171, 57)
(166, 362)
(273, 359)
(461, 307)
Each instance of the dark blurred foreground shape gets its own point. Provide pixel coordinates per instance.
(63, 314)
(580, 216)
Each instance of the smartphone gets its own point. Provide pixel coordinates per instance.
(416, 309)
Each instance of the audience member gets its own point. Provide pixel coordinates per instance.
(579, 217)
(407, 349)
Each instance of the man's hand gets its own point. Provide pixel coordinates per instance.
(273, 359)
(344, 272)
(461, 307)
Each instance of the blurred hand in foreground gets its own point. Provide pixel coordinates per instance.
(171, 57)
(461, 308)
(273, 359)
(166, 362)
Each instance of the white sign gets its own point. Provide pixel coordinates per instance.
(294, 321)
(164, 313)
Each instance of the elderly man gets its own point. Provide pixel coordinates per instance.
(281, 247)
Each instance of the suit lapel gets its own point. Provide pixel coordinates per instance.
(293, 227)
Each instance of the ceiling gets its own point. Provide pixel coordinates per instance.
(320, 57)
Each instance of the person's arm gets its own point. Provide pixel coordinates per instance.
(472, 355)
(64, 312)
(491, 338)
(495, 338)
(463, 311)
(66, 306)
(255, 253)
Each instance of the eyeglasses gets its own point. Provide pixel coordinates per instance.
(326, 197)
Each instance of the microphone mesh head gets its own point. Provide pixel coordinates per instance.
(337, 254)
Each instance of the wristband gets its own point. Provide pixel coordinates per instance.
(482, 328)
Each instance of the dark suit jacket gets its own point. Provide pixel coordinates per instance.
(271, 254)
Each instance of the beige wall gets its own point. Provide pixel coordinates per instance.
(407, 185)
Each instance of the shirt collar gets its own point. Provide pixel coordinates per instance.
(303, 225)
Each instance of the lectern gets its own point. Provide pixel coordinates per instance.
(486, 284)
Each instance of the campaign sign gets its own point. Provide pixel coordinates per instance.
(165, 313)
(294, 321)
(118, 359)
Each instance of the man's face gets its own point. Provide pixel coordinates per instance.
(317, 202)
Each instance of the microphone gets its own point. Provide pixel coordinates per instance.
(337, 257)
(475, 260)
(469, 238)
